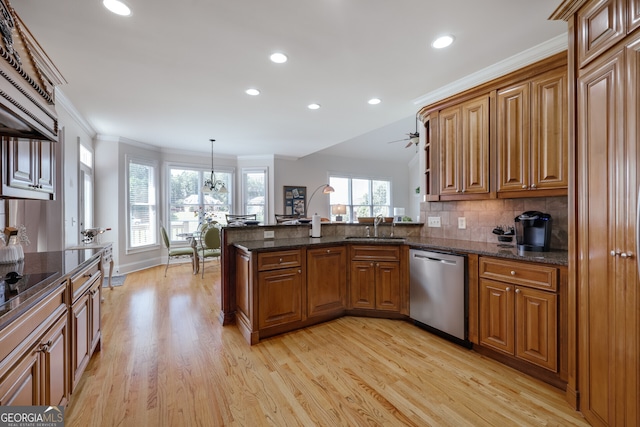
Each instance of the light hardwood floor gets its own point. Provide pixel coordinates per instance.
(167, 361)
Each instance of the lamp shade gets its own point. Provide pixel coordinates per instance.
(338, 209)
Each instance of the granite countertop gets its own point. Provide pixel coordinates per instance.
(46, 271)
(555, 257)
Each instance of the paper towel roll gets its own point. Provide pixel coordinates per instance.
(315, 226)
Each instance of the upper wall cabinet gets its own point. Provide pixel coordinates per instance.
(501, 139)
(27, 82)
(531, 136)
(464, 148)
(28, 169)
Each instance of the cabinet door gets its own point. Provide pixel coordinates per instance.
(95, 297)
(45, 166)
(549, 141)
(21, 385)
(20, 163)
(280, 297)
(600, 107)
(54, 351)
(536, 327)
(450, 146)
(475, 146)
(362, 285)
(634, 15)
(326, 280)
(513, 133)
(601, 24)
(497, 316)
(80, 340)
(388, 286)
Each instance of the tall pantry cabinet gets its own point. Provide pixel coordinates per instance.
(605, 65)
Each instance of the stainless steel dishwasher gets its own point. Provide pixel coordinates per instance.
(438, 293)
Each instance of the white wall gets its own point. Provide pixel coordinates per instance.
(314, 170)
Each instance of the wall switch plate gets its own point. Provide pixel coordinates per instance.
(269, 234)
(462, 223)
(433, 221)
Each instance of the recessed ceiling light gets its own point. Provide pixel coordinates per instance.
(252, 92)
(313, 106)
(442, 42)
(117, 7)
(278, 58)
(374, 101)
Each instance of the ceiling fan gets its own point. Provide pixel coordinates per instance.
(413, 138)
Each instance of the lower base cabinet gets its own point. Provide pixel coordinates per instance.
(519, 311)
(375, 278)
(36, 372)
(326, 281)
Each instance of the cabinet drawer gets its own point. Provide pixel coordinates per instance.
(281, 259)
(80, 281)
(532, 275)
(379, 253)
(107, 254)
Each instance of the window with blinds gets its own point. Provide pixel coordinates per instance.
(142, 204)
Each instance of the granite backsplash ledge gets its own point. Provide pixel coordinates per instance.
(482, 216)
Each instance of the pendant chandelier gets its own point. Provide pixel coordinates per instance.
(212, 184)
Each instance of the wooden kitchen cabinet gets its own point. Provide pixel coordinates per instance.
(29, 169)
(464, 148)
(531, 136)
(35, 369)
(85, 291)
(605, 60)
(519, 310)
(281, 288)
(326, 281)
(374, 281)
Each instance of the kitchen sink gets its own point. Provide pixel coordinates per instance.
(389, 240)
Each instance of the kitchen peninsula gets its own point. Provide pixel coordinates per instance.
(271, 286)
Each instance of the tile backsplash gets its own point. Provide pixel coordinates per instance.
(482, 216)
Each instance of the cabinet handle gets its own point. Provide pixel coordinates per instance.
(86, 275)
(93, 292)
(513, 273)
(508, 289)
(45, 346)
(614, 253)
(626, 255)
(517, 291)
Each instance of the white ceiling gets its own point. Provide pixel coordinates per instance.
(174, 73)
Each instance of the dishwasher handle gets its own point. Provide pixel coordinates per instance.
(428, 258)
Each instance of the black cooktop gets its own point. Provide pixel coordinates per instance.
(13, 284)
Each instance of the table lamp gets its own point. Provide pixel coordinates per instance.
(338, 211)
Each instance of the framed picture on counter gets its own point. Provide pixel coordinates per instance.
(295, 198)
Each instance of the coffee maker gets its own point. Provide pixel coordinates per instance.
(533, 231)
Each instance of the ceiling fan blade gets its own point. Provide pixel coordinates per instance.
(398, 140)
(409, 144)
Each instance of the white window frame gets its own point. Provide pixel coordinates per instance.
(265, 171)
(156, 233)
(350, 205)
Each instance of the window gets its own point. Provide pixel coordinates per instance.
(254, 189)
(188, 206)
(143, 223)
(86, 187)
(363, 197)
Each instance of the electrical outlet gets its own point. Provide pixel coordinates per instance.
(433, 221)
(269, 234)
(462, 223)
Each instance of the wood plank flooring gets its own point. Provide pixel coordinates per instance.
(167, 361)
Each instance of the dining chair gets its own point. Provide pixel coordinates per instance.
(176, 252)
(209, 244)
(232, 217)
(280, 218)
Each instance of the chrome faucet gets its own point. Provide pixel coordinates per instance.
(366, 230)
(377, 221)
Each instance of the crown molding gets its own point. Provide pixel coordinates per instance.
(513, 63)
(64, 102)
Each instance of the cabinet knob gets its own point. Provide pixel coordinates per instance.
(280, 260)
(328, 251)
(614, 253)
(517, 291)
(524, 187)
(513, 273)
(371, 264)
(508, 289)
(299, 271)
(533, 186)
(463, 190)
(626, 255)
(457, 191)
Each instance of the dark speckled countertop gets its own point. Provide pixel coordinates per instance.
(555, 257)
(48, 270)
